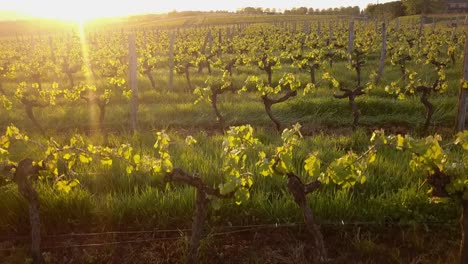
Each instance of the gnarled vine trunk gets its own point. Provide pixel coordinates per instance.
(29, 108)
(214, 105)
(1, 89)
(101, 104)
(268, 103)
(70, 79)
(299, 191)
(24, 171)
(312, 74)
(187, 77)
(425, 91)
(151, 79)
(201, 208)
(351, 95)
(464, 229)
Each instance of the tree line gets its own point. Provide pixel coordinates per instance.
(350, 10)
(406, 7)
(387, 10)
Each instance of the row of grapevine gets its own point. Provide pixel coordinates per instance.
(445, 172)
(95, 69)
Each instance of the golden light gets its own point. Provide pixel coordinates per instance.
(73, 10)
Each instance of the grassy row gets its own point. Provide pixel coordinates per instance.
(108, 199)
(160, 109)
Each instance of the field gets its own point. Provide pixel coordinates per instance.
(111, 195)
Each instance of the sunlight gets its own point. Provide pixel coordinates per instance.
(76, 11)
(94, 115)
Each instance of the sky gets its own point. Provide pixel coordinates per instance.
(88, 9)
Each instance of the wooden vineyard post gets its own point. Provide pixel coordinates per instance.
(220, 42)
(306, 28)
(351, 39)
(454, 30)
(228, 33)
(330, 32)
(319, 29)
(233, 32)
(51, 45)
(32, 41)
(383, 53)
(464, 228)
(210, 41)
(461, 116)
(397, 24)
(133, 82)
(171, 62)
(421, 29)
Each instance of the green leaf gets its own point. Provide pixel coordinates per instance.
(241, 196)
(363, 179)
(462, 139)
(189, 140)
(216, 204)
(84, 158)
(400, 142)
(66, 186)
(137, 159)
(372, 157)
(312, 165)
(106, 161)
(67, 156)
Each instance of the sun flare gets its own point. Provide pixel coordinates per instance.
(76, 11)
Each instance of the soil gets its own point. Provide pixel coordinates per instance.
(277, 245)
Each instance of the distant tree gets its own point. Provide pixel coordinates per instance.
(345, 11)
(250, 10)
(297, 11)
(415, 7)
(388, 10)
(302, 11)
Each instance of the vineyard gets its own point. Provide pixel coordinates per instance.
(288, 141)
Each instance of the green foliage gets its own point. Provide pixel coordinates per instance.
(344, 171)
(287, 82)
(38, 94)
(213, 85)
(430, 158)
(236, 146)
(414, 7)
